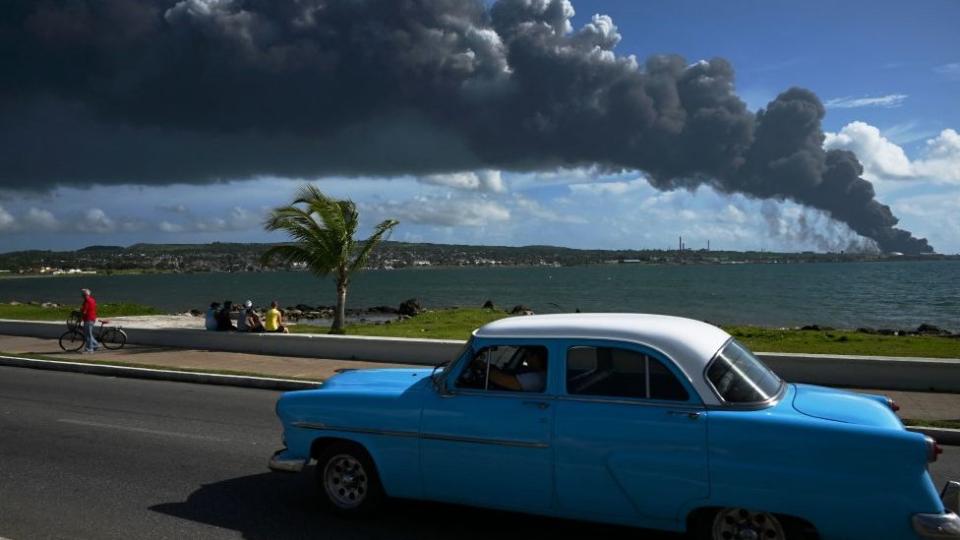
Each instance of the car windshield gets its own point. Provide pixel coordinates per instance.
(740, 377)
(441, 369)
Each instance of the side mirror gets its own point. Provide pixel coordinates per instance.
(440, 381)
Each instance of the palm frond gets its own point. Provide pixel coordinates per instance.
(380, 232)
(322, 230)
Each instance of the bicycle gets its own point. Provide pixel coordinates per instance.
(73, 339)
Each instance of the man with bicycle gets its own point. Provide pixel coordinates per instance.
(88, 315)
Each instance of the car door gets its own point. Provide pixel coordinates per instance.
(630, 434)
(486, 446)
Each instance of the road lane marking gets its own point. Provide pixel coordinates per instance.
(142, 430)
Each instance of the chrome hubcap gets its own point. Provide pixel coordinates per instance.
(345, 481)
(741, 524)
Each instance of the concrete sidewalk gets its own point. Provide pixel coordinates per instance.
(914, 405)
(316, 369)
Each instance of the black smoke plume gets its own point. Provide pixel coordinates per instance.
(163, 91)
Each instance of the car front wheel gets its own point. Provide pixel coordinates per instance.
(348, 479)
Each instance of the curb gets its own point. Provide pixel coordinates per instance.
(264, 383)
(944, 436)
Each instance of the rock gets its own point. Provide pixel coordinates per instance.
(887, 332)
(14, 303)
(520, 309)
(49, 305)
(488, 305)
(816, 327)
(196, 313)
(930, 330)
(865, 330)
(294, 313)
(410, 308)
(304, 307)
(383, 309)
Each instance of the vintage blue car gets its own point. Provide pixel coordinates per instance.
(644, 420)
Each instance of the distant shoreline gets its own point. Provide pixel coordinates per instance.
(98, 274)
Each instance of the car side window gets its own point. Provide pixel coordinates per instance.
(506, 368)
(620, 373)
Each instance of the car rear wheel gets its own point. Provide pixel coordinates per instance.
(348, 479)
(744, 524)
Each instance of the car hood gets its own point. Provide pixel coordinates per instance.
(376, 380)
(843, 406)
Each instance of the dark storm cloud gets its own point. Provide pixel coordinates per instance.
(154, 91)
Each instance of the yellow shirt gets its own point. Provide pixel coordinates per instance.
(271, 320)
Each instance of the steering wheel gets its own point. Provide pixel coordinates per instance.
(474, 374)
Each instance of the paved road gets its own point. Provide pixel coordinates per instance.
(94, 457)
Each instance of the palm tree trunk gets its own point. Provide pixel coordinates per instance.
(340, 314)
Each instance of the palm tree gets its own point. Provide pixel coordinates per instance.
(322, 230)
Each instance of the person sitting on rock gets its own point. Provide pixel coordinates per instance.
(210, 320)
(273, 320)
(249, 321)
(225, 317)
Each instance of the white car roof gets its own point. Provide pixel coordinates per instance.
(691, 344)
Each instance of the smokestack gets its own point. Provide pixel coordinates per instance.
(161, 91)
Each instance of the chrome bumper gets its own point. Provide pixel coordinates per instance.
(281, 461)
(941, 526)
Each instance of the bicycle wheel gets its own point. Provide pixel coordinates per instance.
(71, 341)
(113, 338)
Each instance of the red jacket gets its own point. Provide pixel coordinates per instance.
(89, 310)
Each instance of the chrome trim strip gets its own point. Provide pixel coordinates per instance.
(950, 495)
(285, 465)
(635, 401)
(366, 431)
(944, 526)
(424, 436)
(481, 440)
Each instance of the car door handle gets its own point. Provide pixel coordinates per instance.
(538, 404)
(693, 415)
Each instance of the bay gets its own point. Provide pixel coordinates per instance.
(899, 294)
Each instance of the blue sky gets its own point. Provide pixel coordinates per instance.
(889, 73)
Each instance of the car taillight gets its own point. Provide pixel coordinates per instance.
(933, 449)
(893, 405)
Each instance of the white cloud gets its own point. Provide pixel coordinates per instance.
(7, 221)
(733, 214)
(888, 101)
(878, 155)
(535, 210)
(941, 161)
(97, 221)
(935, 216)
(951, 71)
(167, 227)
(907, 132)
(445, 212)
(237, 218)
(488, 181)
(610, 188)
(44, 220)
(883, 160)
(174, 208)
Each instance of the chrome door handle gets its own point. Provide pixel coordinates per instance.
(538, 404)
(693, 415)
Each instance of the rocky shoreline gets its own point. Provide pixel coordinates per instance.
(306, 314)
